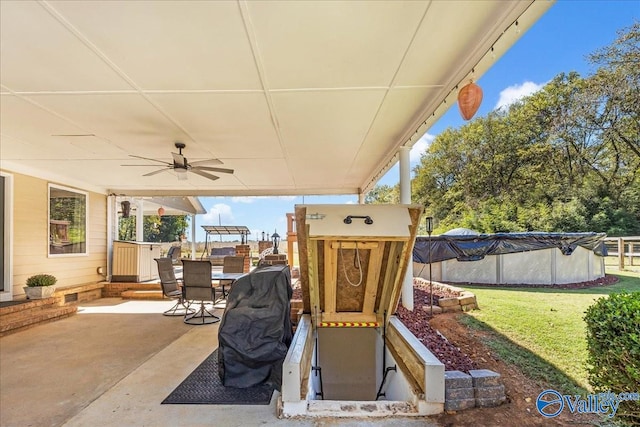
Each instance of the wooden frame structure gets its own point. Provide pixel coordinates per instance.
(353, 259)
(352, 273)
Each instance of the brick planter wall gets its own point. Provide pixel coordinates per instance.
(265, 244)
(244, 250)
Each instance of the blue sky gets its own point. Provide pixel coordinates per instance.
(559, 42)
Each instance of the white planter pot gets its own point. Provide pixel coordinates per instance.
(39, 292)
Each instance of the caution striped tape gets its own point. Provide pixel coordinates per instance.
(349, 325)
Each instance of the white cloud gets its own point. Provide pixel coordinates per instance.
(513, 93)
(420, 147)
(220, 212)
(249, 199)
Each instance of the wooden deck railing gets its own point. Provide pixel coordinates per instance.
(622, 247)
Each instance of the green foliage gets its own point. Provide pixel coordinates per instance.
(383, 194)
(167, 228)
(127, 229)
(613, 342)
(565, 159)
(72, 209)
(41, 280)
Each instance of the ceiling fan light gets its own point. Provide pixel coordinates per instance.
(181, 174)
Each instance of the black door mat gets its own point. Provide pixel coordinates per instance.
(203, 386)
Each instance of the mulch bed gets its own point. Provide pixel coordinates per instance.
(603, 281)
(417, 321)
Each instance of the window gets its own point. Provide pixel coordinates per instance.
(67, 221)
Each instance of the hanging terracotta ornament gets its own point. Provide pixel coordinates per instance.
(469, 99)
(160, 211)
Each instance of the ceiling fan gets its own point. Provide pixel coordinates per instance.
(181, 166)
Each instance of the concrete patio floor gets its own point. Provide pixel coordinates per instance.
(113, 363)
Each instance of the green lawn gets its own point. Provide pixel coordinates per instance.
(542, 330)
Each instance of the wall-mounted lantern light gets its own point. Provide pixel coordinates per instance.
(126, 208)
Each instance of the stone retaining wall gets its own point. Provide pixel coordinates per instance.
(480, 388)
(464, 301)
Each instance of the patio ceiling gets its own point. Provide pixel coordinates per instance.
(298, 97)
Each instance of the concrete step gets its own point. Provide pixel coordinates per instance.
(30, 314)
(115, 289)
(142, 295)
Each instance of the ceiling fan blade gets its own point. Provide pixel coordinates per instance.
(147, 158)
(206, 162)
(179, 160)
(155, 166)
(210, 169)
(204, 174)
(155, 172)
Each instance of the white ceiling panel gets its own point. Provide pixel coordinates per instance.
(40, 54)
(396, 115)
(29, 121)
(129, 121)
(228, 125)
(333, 44)
(177, 45)
(331, 119)
(442, 44)
(256, 172)
(297, 97)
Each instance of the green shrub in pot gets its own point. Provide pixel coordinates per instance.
(41, 280)
(40, 286)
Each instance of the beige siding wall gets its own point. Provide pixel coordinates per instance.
(30, 237)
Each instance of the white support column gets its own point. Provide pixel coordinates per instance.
(112, 233)
(193, 236)
(361, 196)
(405, 198)
(140, 220)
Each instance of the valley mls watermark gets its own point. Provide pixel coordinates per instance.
(551, 403)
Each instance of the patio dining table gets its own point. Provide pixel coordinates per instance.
(225, 279)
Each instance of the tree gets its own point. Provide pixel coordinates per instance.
(383, 194)
(566, 158)
(168, 228)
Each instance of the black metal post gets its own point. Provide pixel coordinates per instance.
(429, 225)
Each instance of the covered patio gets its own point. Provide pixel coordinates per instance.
(271, 98)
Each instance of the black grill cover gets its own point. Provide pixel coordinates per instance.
(255, 331)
